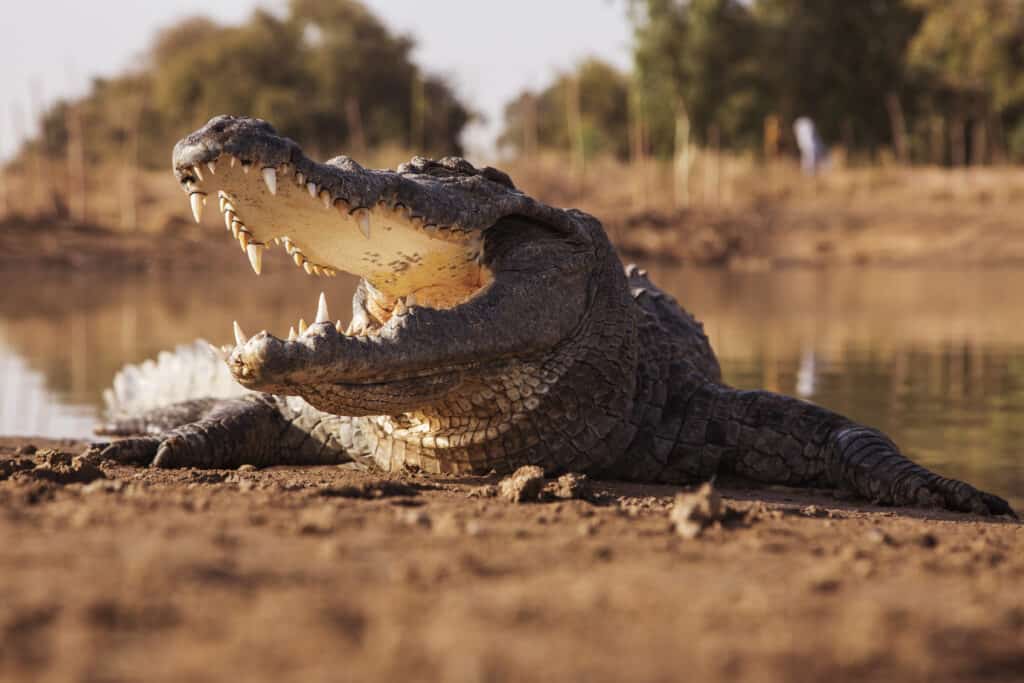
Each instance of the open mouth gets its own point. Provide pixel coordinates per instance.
(405, 259)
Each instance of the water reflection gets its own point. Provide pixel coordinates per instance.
(935, 358)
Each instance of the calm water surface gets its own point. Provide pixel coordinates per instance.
(935, 358)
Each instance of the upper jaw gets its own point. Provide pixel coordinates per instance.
(447, 203)
(449, 193)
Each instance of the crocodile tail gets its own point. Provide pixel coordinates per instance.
(190, 371)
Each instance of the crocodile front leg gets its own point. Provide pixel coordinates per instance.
(777, 439)
(258, 430)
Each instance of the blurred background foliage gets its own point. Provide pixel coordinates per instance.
(930, 81)
(327, 73)
(916, 81)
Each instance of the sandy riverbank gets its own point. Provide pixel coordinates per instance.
(328, 574)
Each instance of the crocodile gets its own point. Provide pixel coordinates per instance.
(489, 331)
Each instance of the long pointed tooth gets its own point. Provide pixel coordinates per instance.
(233, 159)
(308, 267)
(302, 326)
(291, 334)
(212, 165)
(270, 178)
(311, 188)
(197, 200)
(221, 202)
(298, 258)
(363, 221)
(229, 218)
(325, 197)
(240, 337)
(300, 178)
(338, 327)
(199, 173)
(321, 309)
(255, 253)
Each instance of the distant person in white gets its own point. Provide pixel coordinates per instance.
(813, 152)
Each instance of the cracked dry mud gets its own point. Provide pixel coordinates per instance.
(327, 573)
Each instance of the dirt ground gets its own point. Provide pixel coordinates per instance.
(111, 573)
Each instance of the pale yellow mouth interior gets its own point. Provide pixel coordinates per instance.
(396, 253)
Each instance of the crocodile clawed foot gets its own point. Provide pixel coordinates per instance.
(956, 495)
(138, 450)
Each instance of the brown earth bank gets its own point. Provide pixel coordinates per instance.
(752, 238)
(113, 573)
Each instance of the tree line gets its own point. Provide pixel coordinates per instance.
(926, 81)
(328, 73)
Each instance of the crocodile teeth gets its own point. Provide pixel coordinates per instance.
(233, 159)
(255, 253)
(229, 218)
(308, 267)
(300, 178)
(363, 221)
(338, 327)
(198, 172)
(291, 334)
(298, 258)
(325, 197)
(197, 200)
(212, 165)
(221, 201)
(302, 326)
(245, 167)
(312, 189)
(321, 309)
(240, 337)
(270, 178)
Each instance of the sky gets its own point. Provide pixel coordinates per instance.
(489, 50)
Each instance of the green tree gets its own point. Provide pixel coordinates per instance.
(701, 57)
(544, 118)
(329, 74)
(972, 51)
(841, 63)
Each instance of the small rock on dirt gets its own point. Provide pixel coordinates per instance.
(693, 512)
(572, 486)
(523, 485)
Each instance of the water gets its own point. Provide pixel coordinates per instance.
(934, 358)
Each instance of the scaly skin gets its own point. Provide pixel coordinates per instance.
(551, 354)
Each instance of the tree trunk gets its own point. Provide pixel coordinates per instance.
(899, 128)
(957, 140)
(682, 157)
(574, 120)
(979, 143)
(76, 191)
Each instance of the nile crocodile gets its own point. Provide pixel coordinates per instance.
(489, 331)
